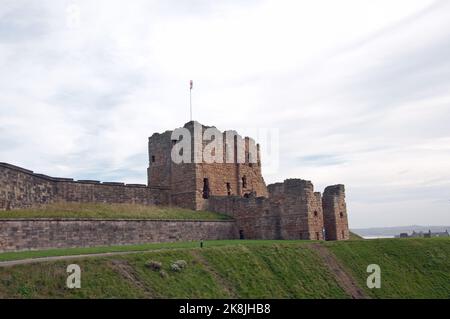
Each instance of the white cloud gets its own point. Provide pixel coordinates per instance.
(359, 90)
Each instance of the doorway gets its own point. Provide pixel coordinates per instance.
(206, 190)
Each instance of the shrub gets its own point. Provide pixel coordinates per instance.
(153, 265)
(178, 265)
(181, 263)
(175, 267)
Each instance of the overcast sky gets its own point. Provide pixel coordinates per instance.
(360, 90)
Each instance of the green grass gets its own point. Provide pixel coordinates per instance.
(10, 256)
(275, 271)
(354, 236)
(410, 268)
(237, 271)
(48, 280)
(111, 211)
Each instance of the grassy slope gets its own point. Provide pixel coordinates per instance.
(253, 271)
(354, 236)
(277, 271)
(410, 268)
(244, 269)
(9, 256)
(110, 211)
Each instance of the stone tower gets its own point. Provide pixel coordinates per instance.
(300, 214)
(236, 170)
(335, 213)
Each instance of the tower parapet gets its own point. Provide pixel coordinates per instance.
(335, 213)
(218, 164)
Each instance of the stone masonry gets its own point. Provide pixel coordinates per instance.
(21, 188)
(187, 181)
(28, 234)
(288, 210)
(292, 211)
(335, 213)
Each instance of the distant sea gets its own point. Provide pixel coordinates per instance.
(377, 237)
(391, 232)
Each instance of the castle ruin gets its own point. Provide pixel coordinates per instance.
(288, 210)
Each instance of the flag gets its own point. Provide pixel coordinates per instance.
(192, 84)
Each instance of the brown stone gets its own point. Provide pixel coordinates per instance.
(288, 210)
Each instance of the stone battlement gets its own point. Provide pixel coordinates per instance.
(231, 184)
(22, 188)
(193, 182)
(292, 211)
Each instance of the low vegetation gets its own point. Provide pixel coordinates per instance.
(30, 254)
(410, 268)
(275, 270)
(354, 236)
(110, 211)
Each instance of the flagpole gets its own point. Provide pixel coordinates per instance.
(191, 85)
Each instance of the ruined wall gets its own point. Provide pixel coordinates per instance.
(159, 150)
(243, 166)
(96, 192)
(256, 217)
(163, 172)
(16, 235)
(21, 188)
(335, 213)
(292, 211)
(301, 213)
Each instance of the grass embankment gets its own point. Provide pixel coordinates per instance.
(410, 268)
(252, 270)
(111, 211)
(354, 236)
(30, 254)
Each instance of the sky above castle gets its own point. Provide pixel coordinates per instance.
(359, 90)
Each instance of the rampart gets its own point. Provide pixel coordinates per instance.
(30, 234)
(21, 188)
(292, 211)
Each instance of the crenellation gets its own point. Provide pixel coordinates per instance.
(335, 213)
(232, 183)
(20, 188)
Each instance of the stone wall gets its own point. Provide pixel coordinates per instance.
(255, 217)
(335, 213)
(292, 211)
(301, 213)
(21, 188)
(30, 234)
(286, 214)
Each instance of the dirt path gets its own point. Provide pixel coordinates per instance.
(345, 281)
(71, 257)
(218, 278)
(128, 272)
